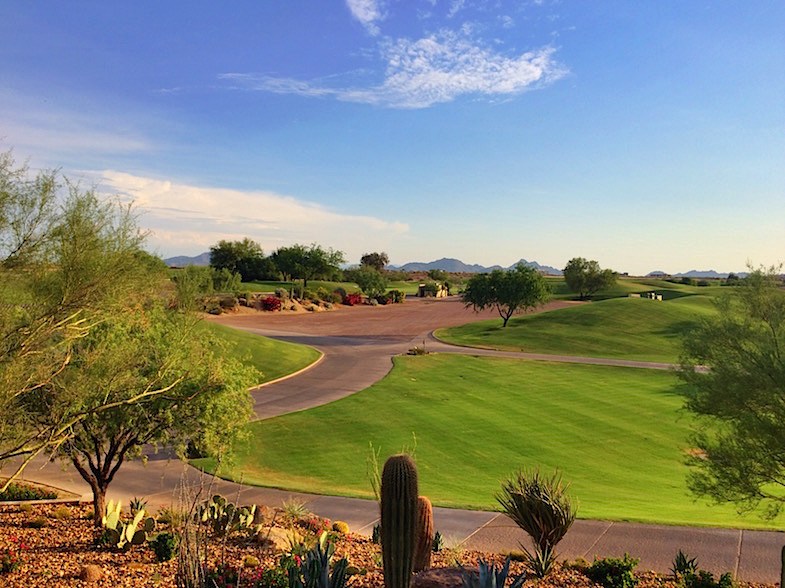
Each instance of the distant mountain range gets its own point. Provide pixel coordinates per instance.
(449, 264)
(184, 260)
(707, 274)
(457, 266)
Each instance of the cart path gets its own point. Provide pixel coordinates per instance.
(358, 346)
(358, 353)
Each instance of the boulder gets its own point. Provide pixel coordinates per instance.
(440, 578)
(90, 573)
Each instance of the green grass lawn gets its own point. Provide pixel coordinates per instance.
(626, 286)
(273, 358)
(617, 434)
(628, 328)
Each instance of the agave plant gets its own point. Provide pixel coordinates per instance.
(540, 506)
(489, 576)
(314, 569)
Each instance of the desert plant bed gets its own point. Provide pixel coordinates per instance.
(618, 435)
(55, 554)
(625, 328)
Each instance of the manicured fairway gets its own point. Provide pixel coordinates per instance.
(618, 435)
(628, 328)
(273, 358)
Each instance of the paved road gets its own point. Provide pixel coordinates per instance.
(358, 345)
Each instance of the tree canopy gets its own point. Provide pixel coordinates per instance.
(145, 350)
(735, 366)
(586, 278)
(244, 257)
(508, 291)
(308, 262)
(375, 260)
(90, 357)
(370, 280)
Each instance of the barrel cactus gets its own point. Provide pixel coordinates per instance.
(424, 547)
(398, 520)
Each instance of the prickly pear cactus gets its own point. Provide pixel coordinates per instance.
(424, 535)
(399, 518)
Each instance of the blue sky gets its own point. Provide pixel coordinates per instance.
(645, 135)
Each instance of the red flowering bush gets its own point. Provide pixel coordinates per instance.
(270, 303)
(11, 555)
(353, 299)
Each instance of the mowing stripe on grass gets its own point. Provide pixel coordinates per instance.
(618, 435)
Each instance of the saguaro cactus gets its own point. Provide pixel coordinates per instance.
(399, 520)
(424, 547)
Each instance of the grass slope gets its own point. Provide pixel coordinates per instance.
(628, 328)
(626, 286)
(618, 435)
(273, 358)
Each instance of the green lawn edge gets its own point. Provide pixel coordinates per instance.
(274, 359)
(633, 472)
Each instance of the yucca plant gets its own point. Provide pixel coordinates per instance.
(540, 506)
(684, 565)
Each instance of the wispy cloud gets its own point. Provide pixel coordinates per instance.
(455, 7)
(368, 13)
(435, 69)
(189, 219)
(43, 128)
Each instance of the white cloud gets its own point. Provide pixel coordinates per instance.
(187, 219)
(455, 7)
(435, 69)
(367, 12)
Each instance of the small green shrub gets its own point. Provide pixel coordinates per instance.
(376, 535)
(17, 491)
(613, 572)
(37, 523)
(396, 296)
(26, 508)
(704, 579)
(165, 545)
(275, 577)
(251, 561)
(62, 513)
(438, 542)
(170, 516)
(323, 293)
(11, 556)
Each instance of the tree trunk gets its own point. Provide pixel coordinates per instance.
(99, 504)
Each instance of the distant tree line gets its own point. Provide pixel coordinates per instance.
(296, 262)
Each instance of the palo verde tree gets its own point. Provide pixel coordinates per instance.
(586, 278)
(69, 262)
(508, 291)
(375, 260)
(734, 364)
(148, 349)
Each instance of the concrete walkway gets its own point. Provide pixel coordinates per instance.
(354, 361)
